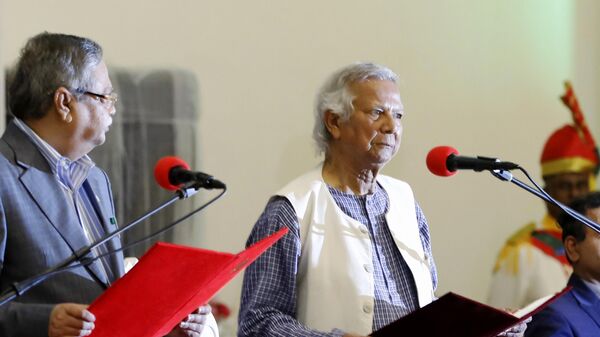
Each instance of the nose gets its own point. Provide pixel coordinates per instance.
(577, 192)
(390, 124)
(112, 110)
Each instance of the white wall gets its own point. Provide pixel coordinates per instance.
(482, 76)
(586, 57)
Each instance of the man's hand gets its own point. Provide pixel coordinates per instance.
(70, 319)
(193, 324)
(517, 330)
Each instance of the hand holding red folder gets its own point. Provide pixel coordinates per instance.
(169, 282)
(455, 315)
(196, 324)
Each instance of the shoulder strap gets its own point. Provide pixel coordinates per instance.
(549, 242)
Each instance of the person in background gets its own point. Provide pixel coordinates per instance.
(532, 263)
(358, 255)
(576, 313)
(53, 199)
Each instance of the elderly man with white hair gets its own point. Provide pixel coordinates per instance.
(358, 255)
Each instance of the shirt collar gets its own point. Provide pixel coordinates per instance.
(71, 173)
(594, 286)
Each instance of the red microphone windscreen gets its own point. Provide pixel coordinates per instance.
(436, 160)
(162, 169)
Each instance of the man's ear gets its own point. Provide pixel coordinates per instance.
(332, 123)
(572, 249)
(61, 101)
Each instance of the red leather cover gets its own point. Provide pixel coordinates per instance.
(169, 282)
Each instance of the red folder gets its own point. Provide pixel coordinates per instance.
(169, 282)
(455, 315)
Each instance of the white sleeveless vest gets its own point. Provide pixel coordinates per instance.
(335, 274)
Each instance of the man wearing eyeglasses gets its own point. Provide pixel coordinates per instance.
(53, 200)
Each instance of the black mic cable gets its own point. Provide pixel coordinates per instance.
(79, 258)
(540, 192)
(166, 228)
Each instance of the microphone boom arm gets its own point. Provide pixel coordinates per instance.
(19, 288)
(507, 176)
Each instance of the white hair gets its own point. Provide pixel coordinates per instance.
(334, 96)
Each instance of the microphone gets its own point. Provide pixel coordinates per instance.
(444, 161)
(172, 172)
(165, 167)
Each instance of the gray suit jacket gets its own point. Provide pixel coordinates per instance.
(38, 229)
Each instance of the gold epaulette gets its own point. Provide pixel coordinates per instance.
(509, 254)
(521, 235)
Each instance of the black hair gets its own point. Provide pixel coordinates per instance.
(47, 62)
(573, 227)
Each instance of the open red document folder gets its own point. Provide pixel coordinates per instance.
(454, 315)
(168, 283)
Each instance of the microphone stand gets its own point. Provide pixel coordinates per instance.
(19, 288)
(507, 176)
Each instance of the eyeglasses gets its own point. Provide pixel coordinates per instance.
(108, 100)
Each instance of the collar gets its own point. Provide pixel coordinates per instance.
(594, 287)
(70, 173)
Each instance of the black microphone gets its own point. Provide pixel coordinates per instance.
(172, 172)
(168, 171)
(444, 161)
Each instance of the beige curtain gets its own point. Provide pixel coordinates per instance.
(157, 115)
